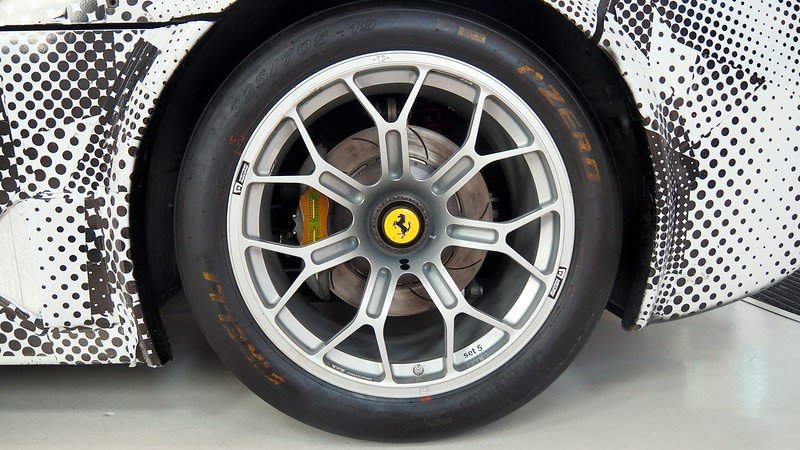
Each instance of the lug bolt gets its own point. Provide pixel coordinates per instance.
(473, 290)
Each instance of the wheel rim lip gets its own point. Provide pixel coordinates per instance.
(250, 293)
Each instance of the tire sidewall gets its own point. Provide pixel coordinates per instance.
(212, 161)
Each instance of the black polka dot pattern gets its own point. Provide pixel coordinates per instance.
(103, 11)
(717, 87)
(582, 13)
(74, 108)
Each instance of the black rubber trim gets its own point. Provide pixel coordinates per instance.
(602, 8)
(784, 295)
(210, 17)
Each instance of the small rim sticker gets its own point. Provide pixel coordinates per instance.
(560, 275)
(242, 174)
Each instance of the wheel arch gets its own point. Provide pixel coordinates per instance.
(248, 23)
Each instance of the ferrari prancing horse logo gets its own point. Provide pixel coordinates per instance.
(401, 225)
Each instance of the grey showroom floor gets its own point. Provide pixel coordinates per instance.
(725, 379)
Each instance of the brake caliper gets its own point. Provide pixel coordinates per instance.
(313, 209)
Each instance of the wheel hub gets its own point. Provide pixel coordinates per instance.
(399, 224)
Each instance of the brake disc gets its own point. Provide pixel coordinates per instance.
(359, 157)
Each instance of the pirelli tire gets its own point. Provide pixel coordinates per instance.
(485, 56)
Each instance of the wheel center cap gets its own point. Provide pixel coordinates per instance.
(400, 223)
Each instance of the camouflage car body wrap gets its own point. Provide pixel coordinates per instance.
(716, 85)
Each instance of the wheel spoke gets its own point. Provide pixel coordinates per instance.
(392, 136)
(449, 342)
(422, 74)
(372, 311)
(379, 300)
(527, 265)
(314, 255)
(365, 103)
(483, 229)
(505, 154)
(465, 164)
(330, 184)
(461, 167)
(492, 236)
(475, 121)
(440, 286)
(326, 178)
(307, 141)
(378, 295)
(451, 302)
(384, 352)
(308, 180)
(475, 313)
(390, 143)
(446, 299)
(339, 337)
(275, 247)
(394, 152)
(317, 257)
(455, 172)
(293, 288)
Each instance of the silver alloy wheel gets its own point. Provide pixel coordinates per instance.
(267, 292)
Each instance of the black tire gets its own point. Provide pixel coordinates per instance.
(209, 170)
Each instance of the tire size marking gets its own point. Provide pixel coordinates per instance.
(301, 49)
(363, 26)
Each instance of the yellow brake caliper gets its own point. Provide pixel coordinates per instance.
(314, 208)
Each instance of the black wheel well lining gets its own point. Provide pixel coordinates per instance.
(248, 23)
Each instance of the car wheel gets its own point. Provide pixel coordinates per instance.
(394, 223)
